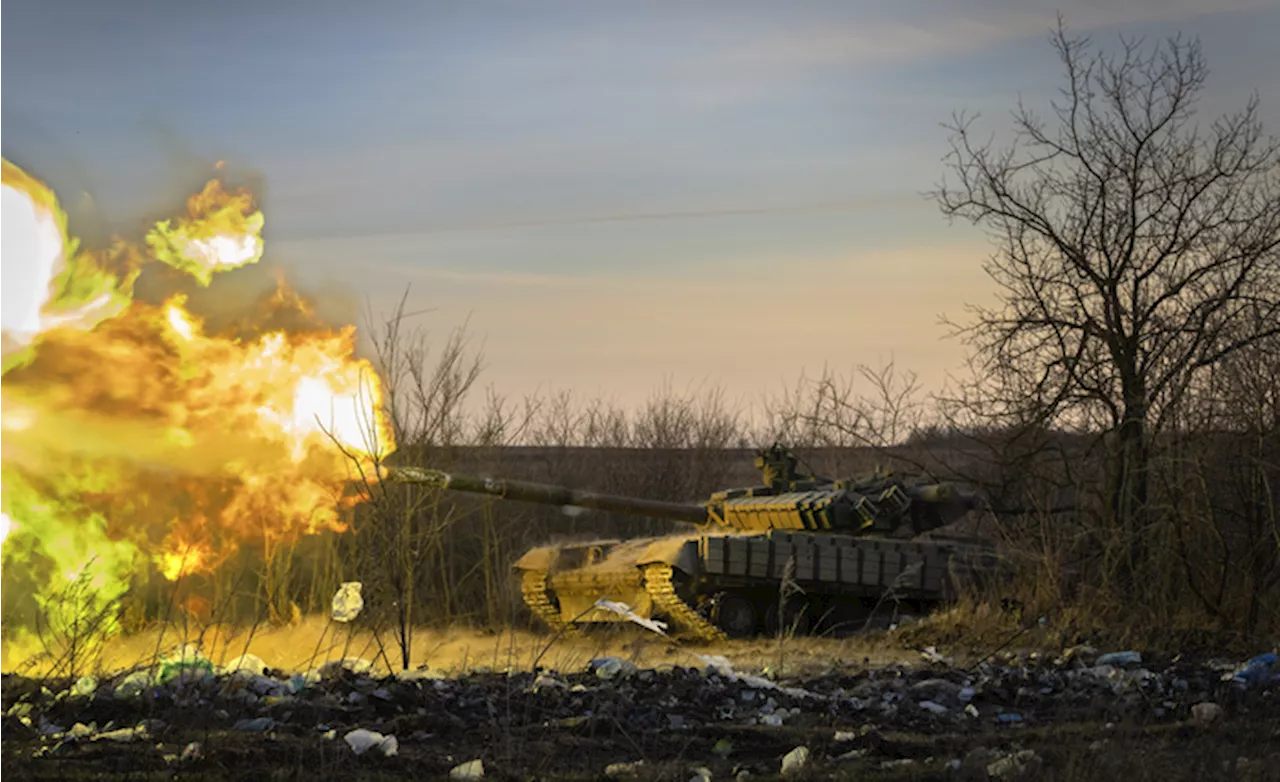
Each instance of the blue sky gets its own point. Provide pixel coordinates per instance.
(608, 191)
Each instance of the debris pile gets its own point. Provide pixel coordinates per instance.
(185, 710)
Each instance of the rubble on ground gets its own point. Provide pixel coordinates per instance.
(732, 722)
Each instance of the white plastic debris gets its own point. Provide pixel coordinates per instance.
(794, 761)
(546, 681)
(1206, 713)
(721, 666)
(936, 708)
(1120, 659)
(347, 602)
(472, 769)
(361, 741)
(85, 686)
(931, 654)
(612, 667)
(133, 684)
(624, 610)
(246, 664)
(701, 774)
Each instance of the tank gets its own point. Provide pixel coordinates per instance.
(797, 552)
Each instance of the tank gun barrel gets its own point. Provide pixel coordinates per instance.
(945, 493)
(549, 494)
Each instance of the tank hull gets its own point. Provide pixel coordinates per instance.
(712, 586)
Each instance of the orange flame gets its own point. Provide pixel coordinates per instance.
(141, 435)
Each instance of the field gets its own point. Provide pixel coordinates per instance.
(530, 706)
(996, 696)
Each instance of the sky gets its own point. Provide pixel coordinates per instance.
(611, 196)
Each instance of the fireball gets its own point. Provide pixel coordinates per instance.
(133, 435)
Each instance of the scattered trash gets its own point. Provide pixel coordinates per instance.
(1256, 671)
(361, 741)
(794, 761)
(191, 752)
(695, 696)
(247, 664)
(472, 769)
(930, 653)
(1120, 659)
(701, 774)
(186, 665)
(1206, 713)
(348, 602)
(611, 667)
(622, 609)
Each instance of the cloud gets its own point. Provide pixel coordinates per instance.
(955, 28)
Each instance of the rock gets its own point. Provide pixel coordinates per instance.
(257, 725)
(795, 761)
(622, 770)
(123, 734)
(472, 769)
(701, 774)
(1206, 713)
(1020, 765)
(974, 765)
(361, 741)
(936, 708)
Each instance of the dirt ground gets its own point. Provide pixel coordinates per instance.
(862, 709)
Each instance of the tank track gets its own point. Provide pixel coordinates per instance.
(658, 582)
(533, 587)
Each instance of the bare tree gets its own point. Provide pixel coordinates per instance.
(1135, 250)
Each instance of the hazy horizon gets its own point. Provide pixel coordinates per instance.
(612, 197)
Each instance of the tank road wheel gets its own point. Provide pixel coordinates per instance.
(735, 614)
(797, 617)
